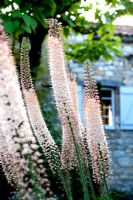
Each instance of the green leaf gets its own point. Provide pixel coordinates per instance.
(17, 1)
(90, 36)
(16, 14)
(106, 29)
(30, 21)
(41, 18)
(66, 31)
(69, 21)
(53, 8)
(49, 8)
(26, 28)
(9, 26)
(86, 8)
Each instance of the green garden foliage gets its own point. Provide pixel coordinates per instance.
(29, 18)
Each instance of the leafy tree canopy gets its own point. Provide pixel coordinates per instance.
(29, 18)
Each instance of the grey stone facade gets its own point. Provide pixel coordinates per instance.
(119, 70)
(115, 74)
(121, 150)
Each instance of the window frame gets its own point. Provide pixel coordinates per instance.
(103, 88)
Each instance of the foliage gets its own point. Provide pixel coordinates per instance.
(93, 49)
(29, 17)
(123, 7)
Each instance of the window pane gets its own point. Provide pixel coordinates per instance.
(106, 102)
(108, 116)
(106, 121)
(107, 107)
(106, 93)
(106, 111)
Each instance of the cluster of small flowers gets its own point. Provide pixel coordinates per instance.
(18, 146)
(65, 97)
(64, 88)
(33, 109)
(94, 126)
(17, 143)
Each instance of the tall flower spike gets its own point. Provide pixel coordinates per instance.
(33, 109)
(64, 101)
(11, 162)
(17, 142)
(94, 127)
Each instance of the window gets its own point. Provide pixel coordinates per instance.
(107, 102)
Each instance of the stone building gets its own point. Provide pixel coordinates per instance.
(116, 80)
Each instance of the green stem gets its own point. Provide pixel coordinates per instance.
(80, 162)
(104, 178)
(81, 172)
(65, 182)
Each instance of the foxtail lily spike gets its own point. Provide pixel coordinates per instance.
(64, 101)
(33, 109)
(94, 127)
(10, 160)
(17, 142)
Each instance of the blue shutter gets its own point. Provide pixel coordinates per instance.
(126, 107)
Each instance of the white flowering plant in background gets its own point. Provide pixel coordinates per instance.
(23, 131)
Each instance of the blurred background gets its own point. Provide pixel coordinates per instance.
(101, 31)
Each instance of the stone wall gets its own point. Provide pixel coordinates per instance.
(121, 149)
(120, 69)
(116, 73)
